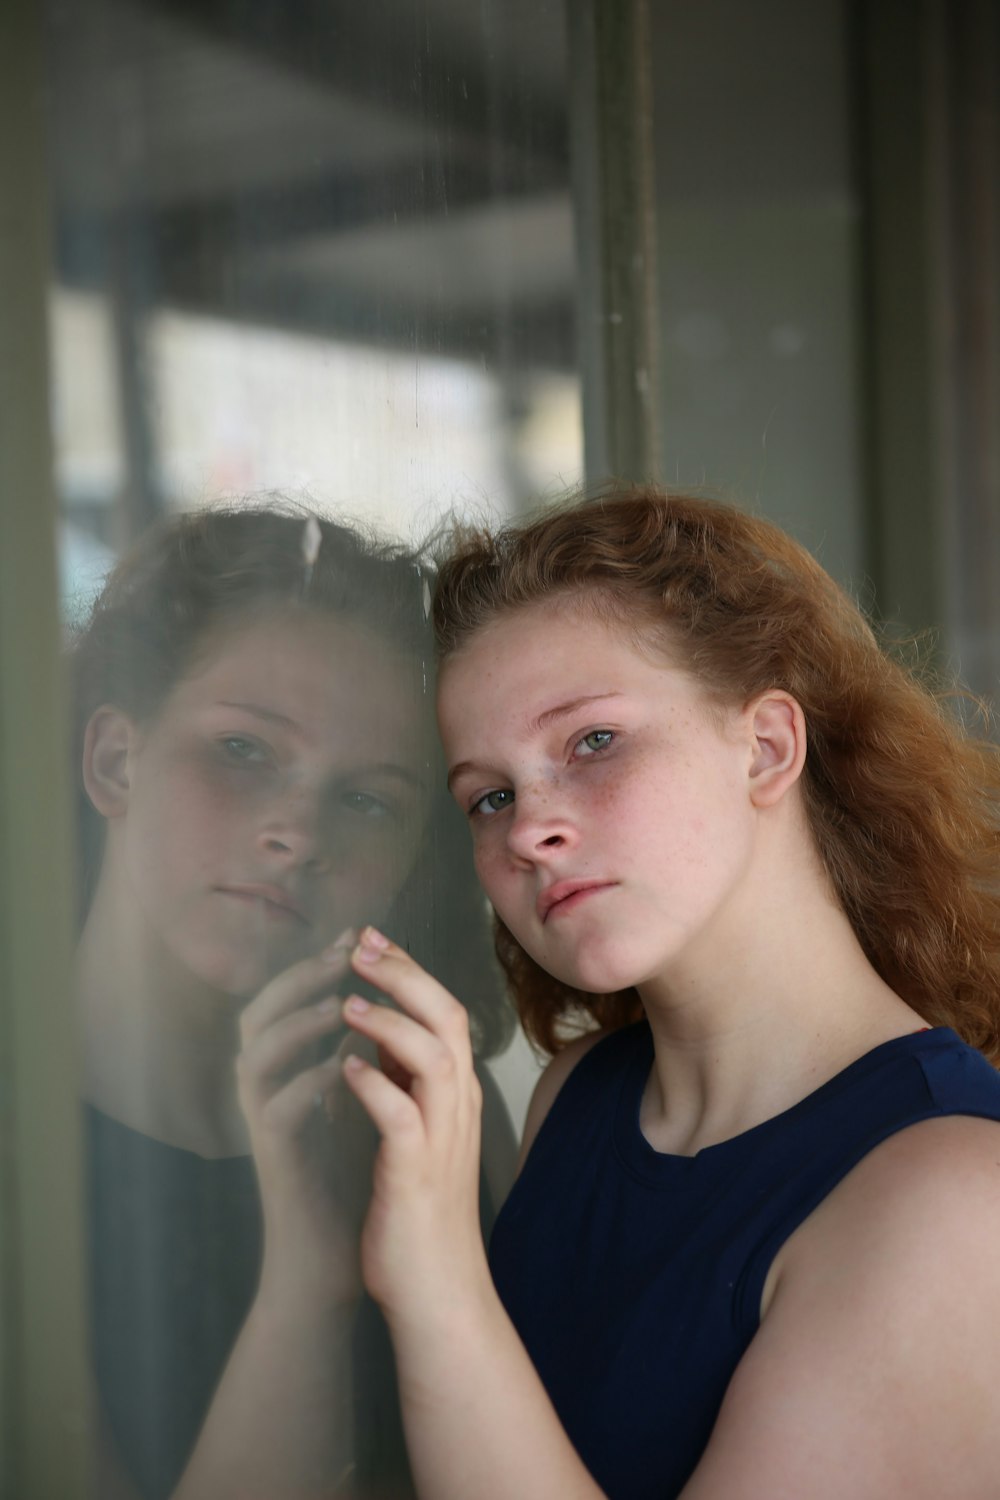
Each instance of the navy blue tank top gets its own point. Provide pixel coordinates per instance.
(634, 1277)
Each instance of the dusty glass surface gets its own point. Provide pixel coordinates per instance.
(760, 265)
(313, 290)
(313, 274)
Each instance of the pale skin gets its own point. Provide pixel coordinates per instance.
(275, 800)
(580, 757)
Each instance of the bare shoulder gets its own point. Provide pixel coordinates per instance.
(925, 1201)
(548, 1086)
(876, 1368)
(941, 1177)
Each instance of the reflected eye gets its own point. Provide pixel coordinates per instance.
(597, 739)
(244, 751)
(490, 803)
(366, 804)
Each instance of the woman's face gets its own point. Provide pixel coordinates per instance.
(278, 796)
(609, 797)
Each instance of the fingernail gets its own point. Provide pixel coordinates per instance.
(372, 945)
(340, 946)
(357, 1006)
(326, 1005)
(353, 1063)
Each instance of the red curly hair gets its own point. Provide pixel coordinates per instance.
(903, 803)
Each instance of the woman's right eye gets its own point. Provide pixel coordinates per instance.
(490, 803)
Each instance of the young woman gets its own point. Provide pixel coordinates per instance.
(257, 777)
(753, 1248)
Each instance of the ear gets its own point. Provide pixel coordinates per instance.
(107, 741)
(779, 747)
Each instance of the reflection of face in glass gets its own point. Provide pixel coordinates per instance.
(276, 796)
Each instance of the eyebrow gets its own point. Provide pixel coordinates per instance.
(269, 715)
(382, 767)
(543, 720)
(391, 768)
(563, 710)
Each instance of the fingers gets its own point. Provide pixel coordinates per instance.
(292, 989)
(415, 1052)
(423, 1046)
(393, 1113)
(280, 1024)
(289, 1108)
(413, 1060)
(389, 967)
(425, 1103)
(393, 1070)
(267, 1057)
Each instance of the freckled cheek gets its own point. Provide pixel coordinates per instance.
(484, 861)
(492, 864)
(652, 822)
(633, 808)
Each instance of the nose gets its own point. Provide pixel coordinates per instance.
(290, 833)
(540, 827)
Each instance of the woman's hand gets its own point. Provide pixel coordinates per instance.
(312, 1146)
(477, 1419)
(421, 1240)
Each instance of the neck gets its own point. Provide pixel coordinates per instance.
(157, 1044)
(765, 1013)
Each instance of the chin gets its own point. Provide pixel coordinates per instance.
(240, 976)
(594, 975)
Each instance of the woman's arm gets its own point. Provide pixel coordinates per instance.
(280, 1426)
(876, 1371)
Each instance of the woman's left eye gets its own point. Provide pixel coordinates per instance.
(597, 739)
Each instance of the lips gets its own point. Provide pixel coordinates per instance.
(274, 900)
(563, 891)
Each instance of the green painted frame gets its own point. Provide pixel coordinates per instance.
(44, 1427)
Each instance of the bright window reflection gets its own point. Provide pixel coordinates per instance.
(378, 434)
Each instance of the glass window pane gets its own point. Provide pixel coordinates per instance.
(314, 282)
(758, 225)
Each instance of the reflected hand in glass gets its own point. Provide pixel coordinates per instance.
(255, 739)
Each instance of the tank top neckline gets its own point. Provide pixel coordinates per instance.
(643, 1160)
(128, 1137)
